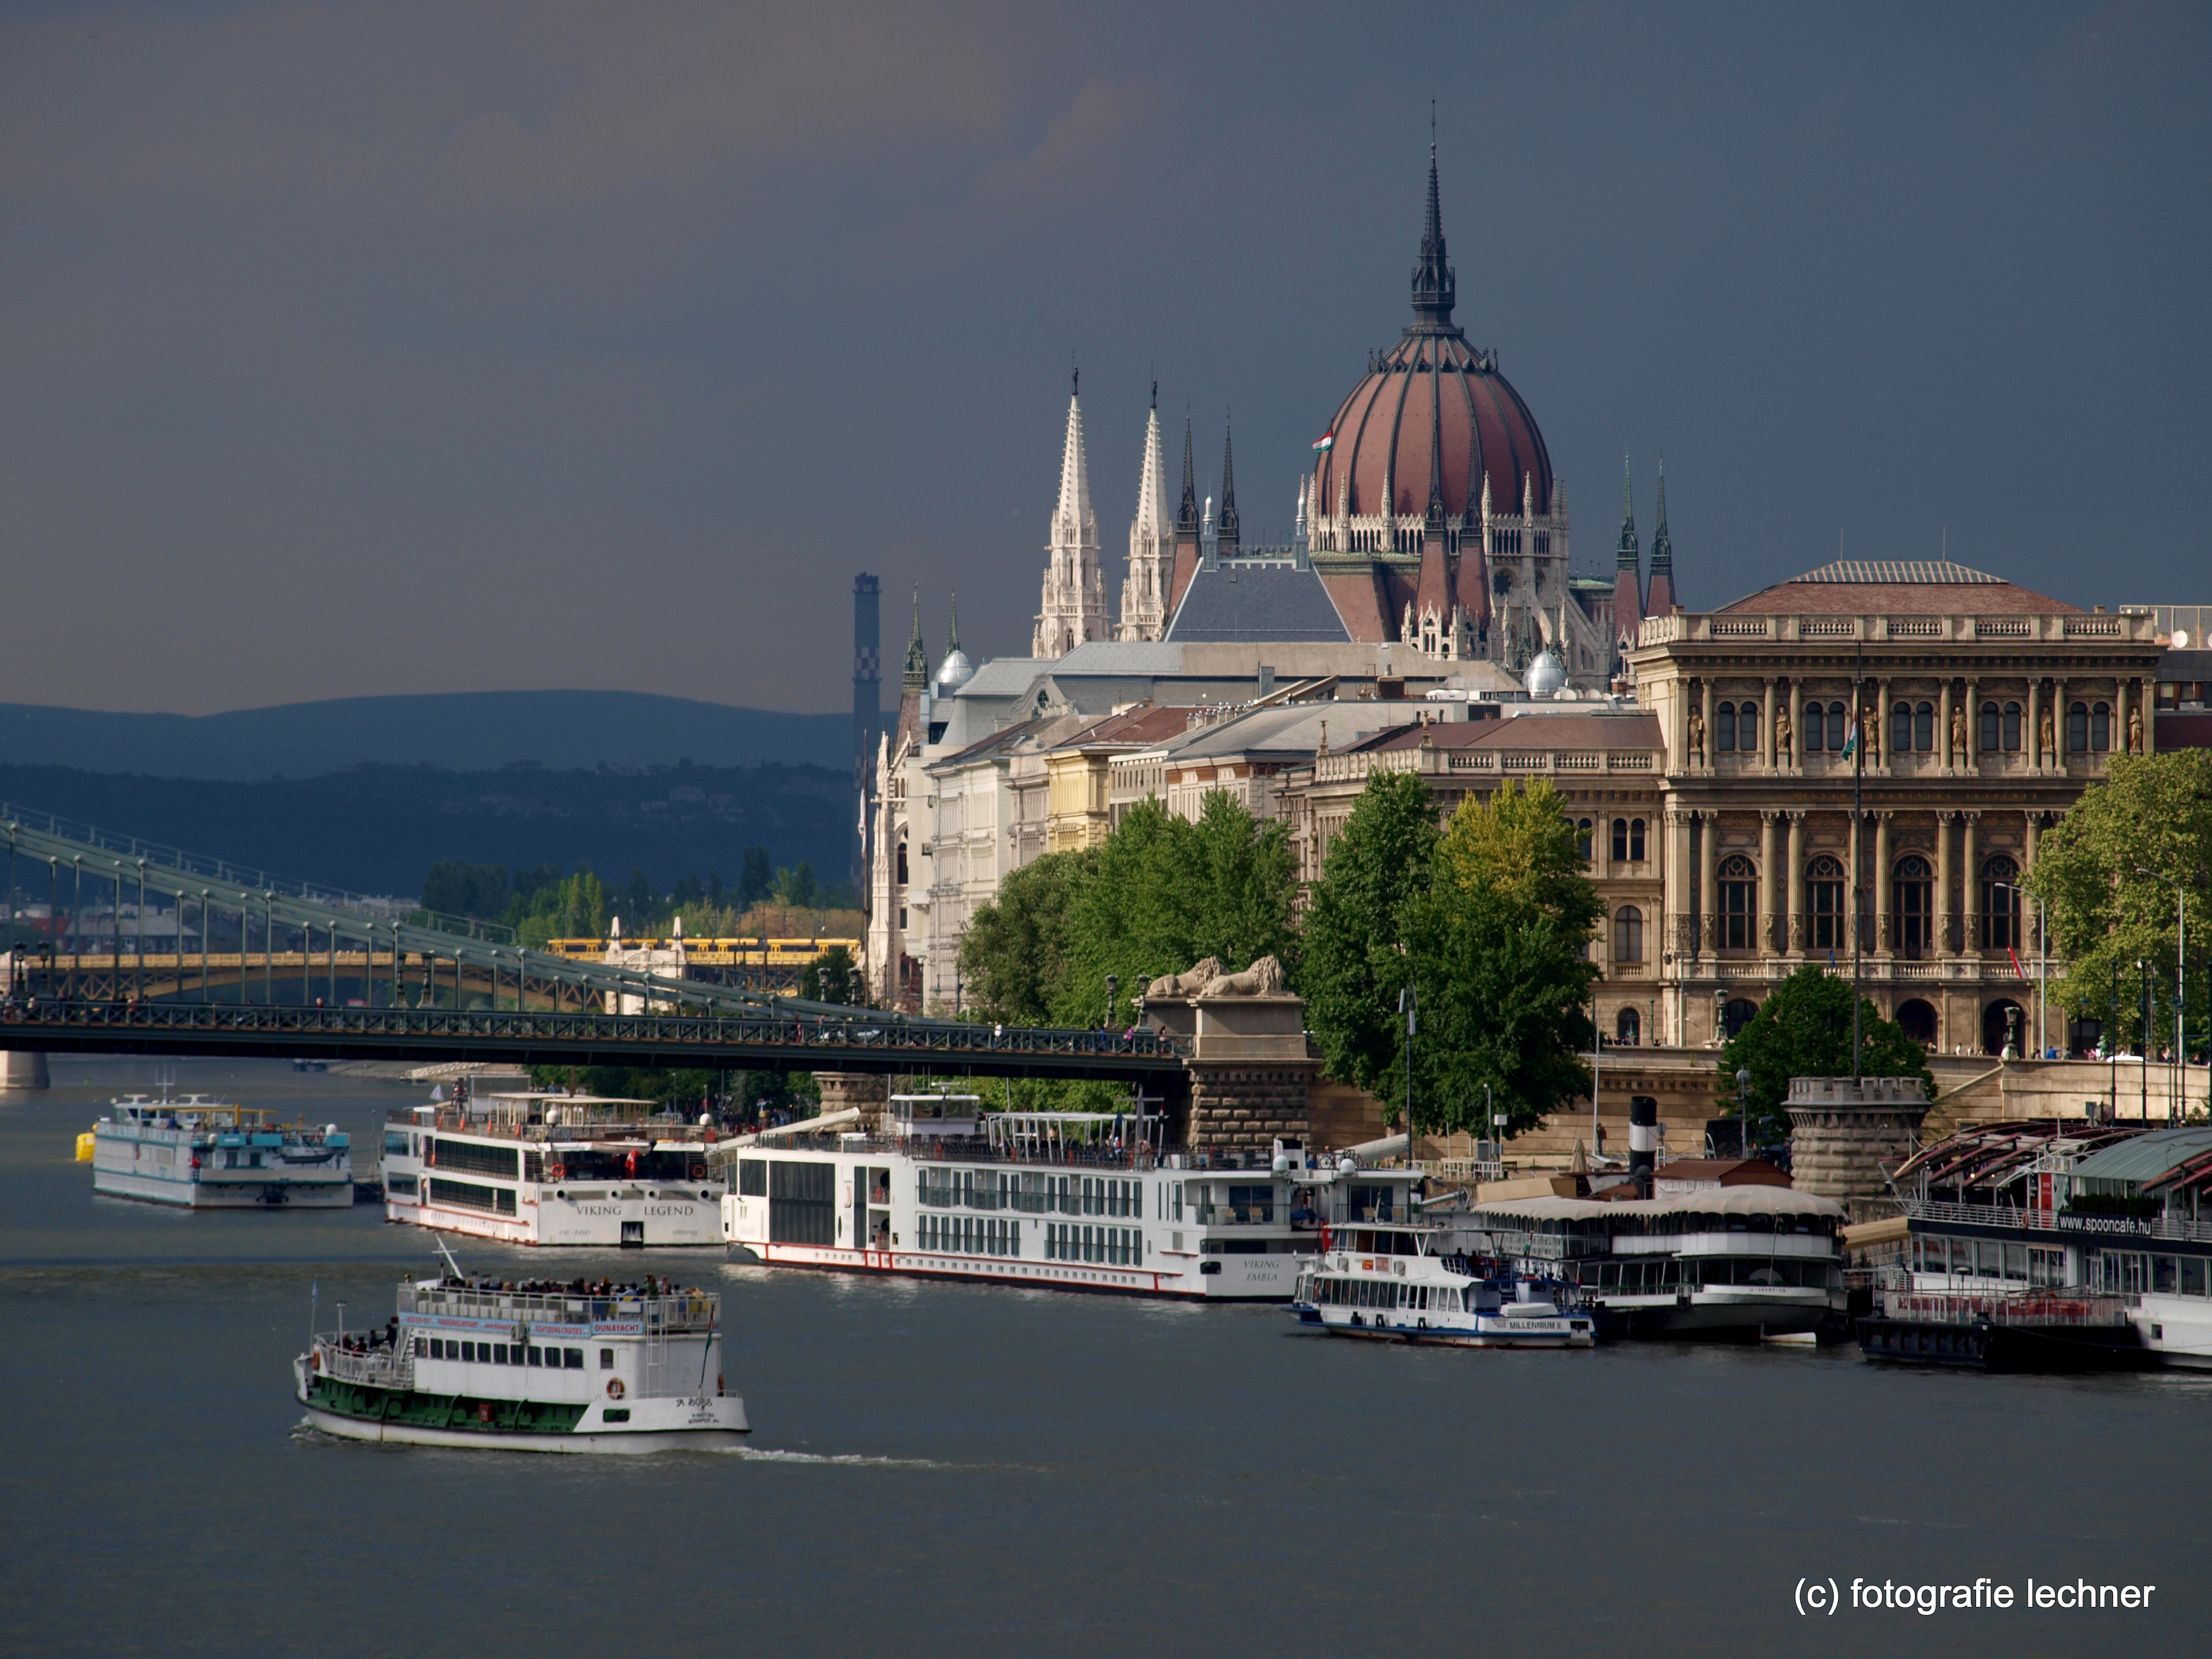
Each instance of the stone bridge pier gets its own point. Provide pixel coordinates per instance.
(1251, 1068)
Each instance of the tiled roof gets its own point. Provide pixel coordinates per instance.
(1868, 587)
(1151, 724)
(1257, 603)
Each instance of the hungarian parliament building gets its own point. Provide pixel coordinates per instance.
(1425, 618)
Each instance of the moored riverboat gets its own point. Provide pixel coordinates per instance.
(2008, 1331)
(1058, 1200)
(537, 1366)
(1415, 1283)
(201, 1154)
(546, 1168)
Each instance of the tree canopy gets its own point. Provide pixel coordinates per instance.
(1804, 1030)
(2109, 874)
(1013, 958)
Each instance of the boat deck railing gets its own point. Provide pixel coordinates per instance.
(635, 1129)
(2016, 1307)
(2063, 1221)
(684, 1311)
(380, 1367)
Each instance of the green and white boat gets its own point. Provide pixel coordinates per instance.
(541, 1365)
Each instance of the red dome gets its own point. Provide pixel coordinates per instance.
(1390, 429)
(1387, 429)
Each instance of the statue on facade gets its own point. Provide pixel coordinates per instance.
(1782, 735)
(1264, 978)
(1870, 734)
(1958, 732)
(1697, 732)
(1186, 984)
(2045, 738)
(2135, 730)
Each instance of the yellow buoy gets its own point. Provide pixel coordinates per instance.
(84, 1143)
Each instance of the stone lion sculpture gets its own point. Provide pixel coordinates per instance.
(1187, 984)
(1264, 978)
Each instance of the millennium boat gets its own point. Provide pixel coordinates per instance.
(553, 1170)
(1058, 1200)
(536, 1366)
(1727, 1263)
(200, 1154)
(1408, 1282)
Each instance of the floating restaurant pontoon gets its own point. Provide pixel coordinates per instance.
(201, 1154)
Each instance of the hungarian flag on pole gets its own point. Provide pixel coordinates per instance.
(1325, 442)
(1851, 743)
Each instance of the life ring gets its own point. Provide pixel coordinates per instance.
(698, 1172)
(559, 1172)
(614, 1388)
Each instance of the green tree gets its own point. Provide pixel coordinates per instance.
(757, 880)
(1353, 957)
(1013, 957)
(1804, 1030)
(1164, 892)
(2108, 875)
(454, 887)
(796, 888)
(1520, 844)
(832, 976)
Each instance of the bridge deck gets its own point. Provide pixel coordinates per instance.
(786, 1043)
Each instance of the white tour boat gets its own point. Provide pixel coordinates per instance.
(1412, 1282)
(1066, 1200)
(536, 1366)
(206, 1155)
(553, 1169)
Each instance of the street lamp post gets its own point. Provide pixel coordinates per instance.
(1743, 1105)
(1409, 1003)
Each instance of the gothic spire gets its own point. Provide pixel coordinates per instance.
(1186, 516)
(916, 677)
(1660, 599)
(1226, 525)
(1074, 510)
(1434, 284)
(952, 628)
(1630, 554)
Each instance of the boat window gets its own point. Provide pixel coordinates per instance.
(606, 1359)
(2165, 1274)
(395, 1144)
(537, 1355)
(572, 1359)
(752, 1177)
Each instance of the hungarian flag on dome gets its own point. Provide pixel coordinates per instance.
(1325, 443)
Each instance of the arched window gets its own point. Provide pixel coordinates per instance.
(1636, 839)
(1914, 905)
(1739, 903)
(1627, 1029)
(2100, 726)
(1628, 934)
(1900, 729)
(1620, 840)
(1923, 727)
(1916, 1019)
(2000, 904)
(1811, 726)
(1746, 727)
(1824, 899)
(1724, 728)
(902, 864)
(1738, 1013)
(1583, 847)
(2077, 728)
(1839, 730)
(1992, 730)
(2012, 728)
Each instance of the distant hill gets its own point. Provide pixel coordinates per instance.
(379, 829)
(463, 731)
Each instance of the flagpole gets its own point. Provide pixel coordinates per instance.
(1858, 852)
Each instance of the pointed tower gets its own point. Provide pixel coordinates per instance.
(1151, 542)
(1186, 528)
(1073, 607)
(1660, 599)
(1628, 569)
(1226, 537)
(913, 683)
(1436, 286)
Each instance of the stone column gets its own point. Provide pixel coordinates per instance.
(1769, 917)
(1973, 722)
(1881, 732)
(1796, 936)
(1766, 739)
(1943, 731)
(2034, 840)
(2058, 716)
(1883, 921)
(1675, 881)
(2119, 744)
(1853, 897)
(1709, 865)
(1969, 886)
(2034, 743)
(1707, 693)
(1944, 873)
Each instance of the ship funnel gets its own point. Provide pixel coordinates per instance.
(1643, 1140)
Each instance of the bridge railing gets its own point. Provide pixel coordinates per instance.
(919, 1041)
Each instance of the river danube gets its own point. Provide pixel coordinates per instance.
(947, 1470)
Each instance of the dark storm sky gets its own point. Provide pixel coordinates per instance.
(408, 348)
